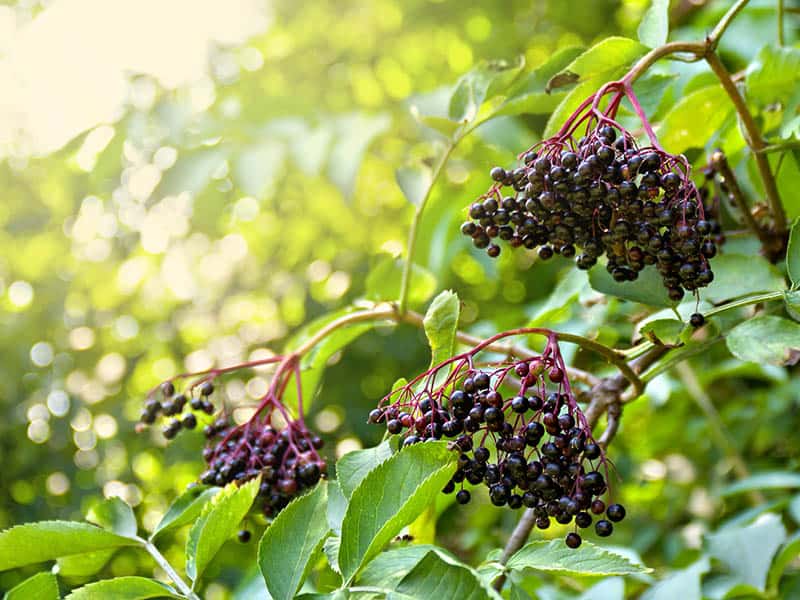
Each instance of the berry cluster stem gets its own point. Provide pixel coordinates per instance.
(162, 562)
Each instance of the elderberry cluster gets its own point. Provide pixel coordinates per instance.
(286, 459)
(601, 195)
(531, 447)
(172, 404)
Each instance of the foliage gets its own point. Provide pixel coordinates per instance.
(278, 217)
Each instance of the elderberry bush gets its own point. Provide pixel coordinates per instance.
(601, 195)
(528, 441)
(273, 445)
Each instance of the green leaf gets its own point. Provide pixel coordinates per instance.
(256, 167)
(390, 497)
(647, 289)
(83, 565)
(440, 324)
(748, 551)
(383, 281)
(604, 58)
(433, 577)
(390, 566)
(612, 588)
(763, 339)
(654, 28)
(773, 76)
(791, 302)
(774, 480)
(788, 552)
(185, 508)
(694, 119)
(337, 505)
(124, 588)
(570, 103)
(414, 182)
(291, 541)
(737, 275)
(115, 515)
(47, 540)
(663, 331)
(353, 135)
(588, 559)
(354, 466)
(684, 584)
(42, 586)
(484, 81)
(217, 522)
(559, 304)
(793, 254)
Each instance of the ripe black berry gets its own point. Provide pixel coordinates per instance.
(603, 528)
(615, 512)
(189, 421)
(207, 388)
(244, 536)
(697, 320)
(463, 496)
(573, 540)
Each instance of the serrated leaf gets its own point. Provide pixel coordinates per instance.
(588, 559)
(217, 522)
(337, 505)
(603, 58)
(738, 275)
(432, 577)
(383, 281)
(47, 540)
(115, 515)
(414, 182)
(763, 481)
(694, 119)
(684, 584)
(331, 549)
(42, 586)
(654, 28)
(389, 498)
(440, 324)
(354, 466)
(793, 254)
(765, 339)
(124, 588)
(773, 75)
(185, 508)
(748, 551)
(291, 542)
(390, 566)
(663, 331)
(647, 289)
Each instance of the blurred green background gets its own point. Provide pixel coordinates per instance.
(205, 208)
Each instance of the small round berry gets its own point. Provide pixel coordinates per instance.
(573, 540)
(519, 404)
(615, 512)
(207, 407)
(591, 451)
(207, 388)
(697, 320)
(375, 415)
(449, 487)
(167, 388)
(603, 528)
(189, 421)
(196, 403)
(598, 507)
(244, 536)
(583, 520)
(463, 496)
(497, 173)
(171, 429)
(493, 250)
(481, 454)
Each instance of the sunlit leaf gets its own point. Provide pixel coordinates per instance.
(654, 28)
(124, 588)
(42, 586)
(694, 119)
(588, 559)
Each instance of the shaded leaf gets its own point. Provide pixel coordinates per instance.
(390, 566)
(694, 119)
(124, 588)
(337, 505)
(354, 134)
(389, 498)
(791, 301)
(737, 275)
(647, 289)
(185, 508)
(47, 540)
(663, 331)
(414, 182)
(217, 522)
(291, 541)
(788, 552)
(559, 304)
(354, 466)
(773, 76)
(684, 584)
(763, 481)
(432, 577)
(748, 551)
(115, 515)
(654, 28)
(793, 254)
(482, 82)
(42, 586)
(588, 559)
(765, 339)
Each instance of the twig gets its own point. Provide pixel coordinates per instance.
(162, 562)
(517, 540)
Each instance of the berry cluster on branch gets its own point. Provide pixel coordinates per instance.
(519, 431)
(591, 191)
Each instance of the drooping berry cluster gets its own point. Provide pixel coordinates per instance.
(272, 444)
(527, 441)
(601, 195)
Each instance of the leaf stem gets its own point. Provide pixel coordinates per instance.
(724, 22)
(516, 541)
(780, 22)
(405, 281)
(162, 562)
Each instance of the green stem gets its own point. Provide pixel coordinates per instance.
(724, 22)
(780, 22)
(405, 281)
(162, 562)
(746, 301)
